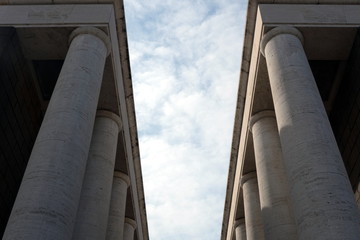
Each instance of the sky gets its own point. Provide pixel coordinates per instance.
(185, 62)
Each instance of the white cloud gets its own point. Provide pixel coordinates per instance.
(185, 58)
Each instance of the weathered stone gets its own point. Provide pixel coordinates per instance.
(49, 194)
(93, 212)
(275, 203)
(324, 204)
(129, 229)
(253, 220)
(115, 229)
(240, 229)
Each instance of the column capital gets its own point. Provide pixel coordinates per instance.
(92, 31)
(239, 221)
(123, 176)
(277, 31)
(260, 115)
(131, 222)
(111, 115)
(247, 177)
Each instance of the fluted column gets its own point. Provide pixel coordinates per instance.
(115, 229)
(275, 204)
(324, 204)
(129, 229)
(48, 198)
(253, 220)
(240, 229)
(93, 212)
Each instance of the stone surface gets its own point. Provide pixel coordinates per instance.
(275, 203)
(129, 229)
(47, 201)
(115, 229)
(357, 195)
(93, 212)
(278, 14)
(72, 14)
(253, 220)
(111, 18)
(240, 229)
(324, 204)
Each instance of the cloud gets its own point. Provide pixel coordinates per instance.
(185, 59)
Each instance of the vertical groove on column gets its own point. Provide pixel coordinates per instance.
(324, 204)
(47, 201)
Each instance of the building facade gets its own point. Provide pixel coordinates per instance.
(295, 161)
(69, 154)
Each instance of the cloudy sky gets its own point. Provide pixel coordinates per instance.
(185, 60)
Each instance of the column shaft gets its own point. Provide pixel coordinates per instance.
(240, 229)
(115, 229)
(275, 203)
(253, 220)
(324, 205)
(47, 201)
(93, 212)
(129, 229)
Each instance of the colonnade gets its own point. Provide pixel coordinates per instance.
(300, 189)
(70, 189)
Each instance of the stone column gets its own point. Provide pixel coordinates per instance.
(253, 220)
(115, 229)
(240, 229)
(129, 229)
(323, 201)
(275, 204)
(48, 198)
(93, 212)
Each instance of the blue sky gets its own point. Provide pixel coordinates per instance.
(185, 62)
